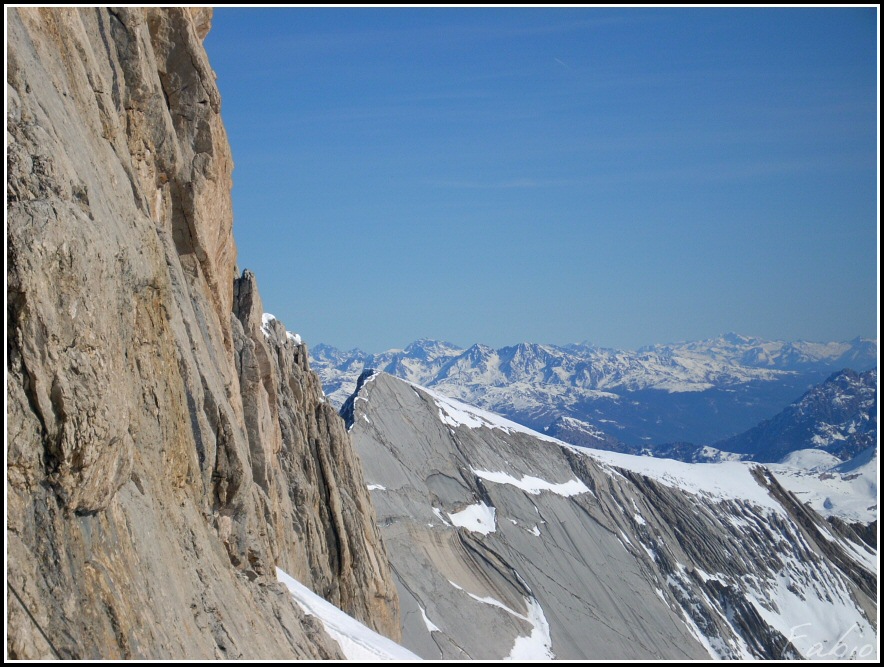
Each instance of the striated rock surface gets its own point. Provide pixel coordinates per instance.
(509, 544)
(302, 460)
(165, 450)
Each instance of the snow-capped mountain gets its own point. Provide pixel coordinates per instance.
(508, 543)
(690, 392)
(859, 353)
(838, 416)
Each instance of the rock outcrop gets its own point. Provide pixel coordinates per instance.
(165, 450)
(508, 543)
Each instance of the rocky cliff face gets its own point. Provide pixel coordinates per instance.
(508, 543)
(165, 451)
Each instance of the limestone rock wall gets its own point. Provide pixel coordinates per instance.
(309, 475)
(164, 453)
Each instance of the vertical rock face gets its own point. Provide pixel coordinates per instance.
(302, 461)
(164, 453)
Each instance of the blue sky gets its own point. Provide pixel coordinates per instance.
(623, 176)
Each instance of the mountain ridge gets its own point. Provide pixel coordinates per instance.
(698, 391)
(508, 543)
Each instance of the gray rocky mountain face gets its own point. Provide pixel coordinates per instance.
(635, 401)
(165, 450)
(506, 543)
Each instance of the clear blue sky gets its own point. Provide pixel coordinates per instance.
(624, 176)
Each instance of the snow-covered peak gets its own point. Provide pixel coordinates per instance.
(810, 459)
(837, 416)
(427, 349)
(578, 425)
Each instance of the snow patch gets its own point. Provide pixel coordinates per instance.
(486, 600)
(357, 642)
(441, 518)
(431, 627)
(266, 319)
(376, 487)
(478, 518)
(637, 517)
(534, 485)
(537, 645)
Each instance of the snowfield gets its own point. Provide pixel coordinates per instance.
(534, 485)
(478, 518)
(848, 490)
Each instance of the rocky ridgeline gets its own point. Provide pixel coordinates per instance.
(165, 450)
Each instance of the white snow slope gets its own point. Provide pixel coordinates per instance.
(848, 490)
(357, 642)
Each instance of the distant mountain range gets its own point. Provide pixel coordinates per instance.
(838, 416)
(691, 392)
